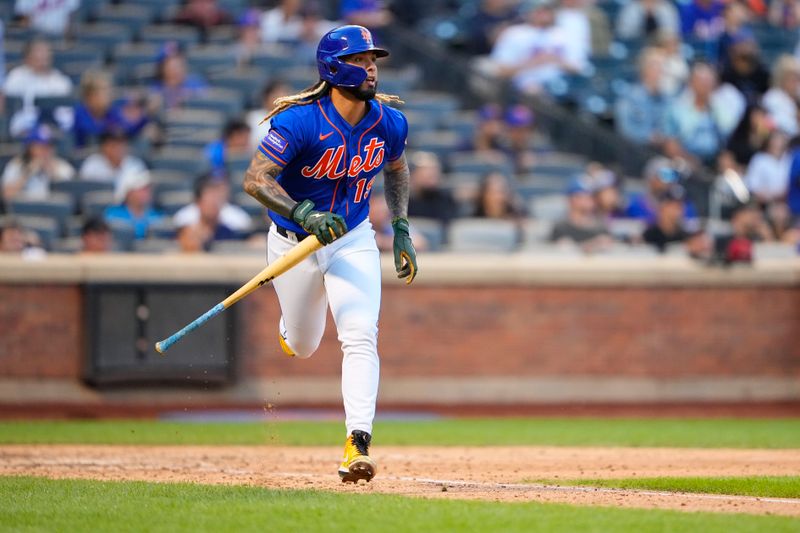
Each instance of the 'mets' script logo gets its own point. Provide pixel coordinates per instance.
(330, 164)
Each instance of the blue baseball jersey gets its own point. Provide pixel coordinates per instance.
(330, 162)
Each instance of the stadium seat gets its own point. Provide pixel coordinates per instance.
(463, 178)
(273, 62)
(163, 33)
(161, 10)
(626, 229)
(479, 163)
(163, 229)
(436, 106)
(226, 101)
(124, 235)
(129, 55)
(104, 36)
(482, 235)
(431, 229)
(774, 250)
(57, 207)
(96, 202)
(194, 118)
(8, 151)
(248, 81)
(204, 58)
(190, 161)
(536, 232)
(190, 137)
(221, 35)
(80, 52)
(133, 15)
(67, 245)
(154, 246)
(249, 204)
(77, 189)
(171, 201)
(462, 123)
(552, 207)
(441, 143)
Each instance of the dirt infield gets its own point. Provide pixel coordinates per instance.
(490, 473)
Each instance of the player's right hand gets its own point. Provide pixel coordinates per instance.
(326, 226)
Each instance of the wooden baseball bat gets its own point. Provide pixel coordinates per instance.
(302, 250)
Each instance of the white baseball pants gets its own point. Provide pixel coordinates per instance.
(345, 275)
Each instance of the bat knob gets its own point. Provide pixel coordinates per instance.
(159, 349)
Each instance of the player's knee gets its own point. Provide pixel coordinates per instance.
(304, 348)
(360, 333)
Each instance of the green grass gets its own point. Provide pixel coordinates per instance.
(33, 504)
(709, 433)
(761, 486)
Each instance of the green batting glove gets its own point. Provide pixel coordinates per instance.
(405, 257)
(326, 226)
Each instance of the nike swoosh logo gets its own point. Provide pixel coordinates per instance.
(323, 137)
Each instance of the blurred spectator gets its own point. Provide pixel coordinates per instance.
(235, 142)
(536, 52)
(98, 113)
(676, 69)
(371, 14)
(748, 226)
(2, 68)
(572, 17)
(111, 161)
(248, 40)
(489, 130)
(639, 19)
(702, 19)
(14, 239)
(497, 200)
(581, 225)
(282, 23)
(784, 14)
(259, 127)
(659, 175)
(670, 223)
(381, 220)
(213, 211)
(427, 197)
(735, 18)
(519, 132)
(31, 173)
(134, 195)
(640, 112)
(36, 77)
(767, 175)
(51, 17)
(96, 236)
(492, 17)
(599, 28)
(745, 69)
(750, 135)
(700, 118)
(779, 219)
(793, 193)
(607, 195)
(203, 14)
(173, 84)
(781, 100)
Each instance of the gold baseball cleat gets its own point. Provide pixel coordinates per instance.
(357, 463)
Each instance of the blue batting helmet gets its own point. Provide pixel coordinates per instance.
(344, 41)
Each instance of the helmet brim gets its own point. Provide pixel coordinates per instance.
(379, 52)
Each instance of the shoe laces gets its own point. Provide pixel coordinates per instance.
(361, 440)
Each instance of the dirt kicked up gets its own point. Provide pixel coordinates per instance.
(485, 473)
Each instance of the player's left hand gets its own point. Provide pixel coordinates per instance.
(405, 257)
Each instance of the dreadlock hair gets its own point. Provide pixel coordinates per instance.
(311, 94)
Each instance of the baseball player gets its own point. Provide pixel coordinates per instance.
(314, 171)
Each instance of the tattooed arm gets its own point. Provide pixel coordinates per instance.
(259, 182)
(396, 180)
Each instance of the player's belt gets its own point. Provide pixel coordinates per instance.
(289, 234)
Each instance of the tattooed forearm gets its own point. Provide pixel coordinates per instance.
(259, 182)
(396, 178)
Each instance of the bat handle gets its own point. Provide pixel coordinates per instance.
(163, 346)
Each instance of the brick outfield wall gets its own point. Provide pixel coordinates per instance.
(475, 331)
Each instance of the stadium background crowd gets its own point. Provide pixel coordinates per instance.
(127, 125)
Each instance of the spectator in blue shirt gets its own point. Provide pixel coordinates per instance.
(702, 20)
(174, 84)
(793, 194)
(639, 113)
(134, 194)
(660, 176)
(97, 113)
(235, 142)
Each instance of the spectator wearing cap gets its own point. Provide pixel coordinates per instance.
(581, 226)
(427, 197)
(749, 136)
(660, 175)
(36, 77)
(536, 52)
(98, 112)
(645, 18)
(235, 142)
(489, 132)
(518, 133)
(174, 84)
(607, 195)
(96, 236)
(213, 211)
(767, 175)
(780, 100)
(490, 18)
(670, 224)
(111, 161)
(248, 39)
(202, 14)
(52, 18)
(744, 69)
(639, 113)
(259, 127)
(31, 173)
(134, 196)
